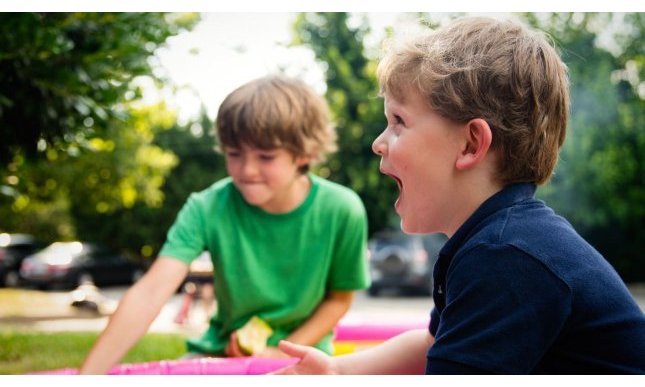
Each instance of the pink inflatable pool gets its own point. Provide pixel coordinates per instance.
(373, 332)
(353, 334)
(203, 366)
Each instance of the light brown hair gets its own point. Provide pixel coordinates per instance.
(479, 67)
(276, 112)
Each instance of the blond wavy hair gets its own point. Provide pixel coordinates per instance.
(497, 70)
(274, 112)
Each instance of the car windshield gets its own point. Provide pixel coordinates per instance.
(61, 253)
(73, 248)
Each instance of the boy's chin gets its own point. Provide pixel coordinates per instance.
(410, 228)
(407, 228)
(255, 202)
(254, 196)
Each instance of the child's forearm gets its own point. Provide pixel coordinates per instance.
(323, 320)
(138, 308)
(126, 326)
(404, 354)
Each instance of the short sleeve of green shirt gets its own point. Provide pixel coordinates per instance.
(185, 239)
(275, 266)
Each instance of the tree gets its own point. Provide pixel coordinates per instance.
(124, 170)
(72, 192)
(64, 76)
(133, 211)
(352, 94)
(198, 167)
(599, 184)
(77, 146)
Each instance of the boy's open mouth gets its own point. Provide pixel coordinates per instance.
(398, 181)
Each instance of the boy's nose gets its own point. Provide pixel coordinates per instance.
(378, 146)
(249, 168)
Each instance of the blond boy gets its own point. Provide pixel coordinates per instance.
(476, 113)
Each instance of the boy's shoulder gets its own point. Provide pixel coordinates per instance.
(332, 197)
(334, 191)
(534, 230)
(216, 191)
(529, 225)
(513, 218)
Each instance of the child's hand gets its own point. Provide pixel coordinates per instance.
(233, 348)
(272, 352)
(312, 361)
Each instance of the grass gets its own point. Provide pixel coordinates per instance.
(23, 352)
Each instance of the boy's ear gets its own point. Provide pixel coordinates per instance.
(478, 137)
(301, 161)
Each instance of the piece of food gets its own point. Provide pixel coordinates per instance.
(252, 337)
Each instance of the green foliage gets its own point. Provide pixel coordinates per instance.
(24, 351)
(352, 94)
(142, 229)
(128, 174)
(77, 147)
(138, 213)
(78, 192)
(599, 183)
(63, 76)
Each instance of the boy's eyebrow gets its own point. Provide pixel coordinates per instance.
(392, 106)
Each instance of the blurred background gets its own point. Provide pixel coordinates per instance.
(105, 129)
(105, 118)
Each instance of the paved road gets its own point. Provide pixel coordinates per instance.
(50, 311)
(387, 309)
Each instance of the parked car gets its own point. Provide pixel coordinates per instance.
(13, 250)
(75, 263)
(403, 262)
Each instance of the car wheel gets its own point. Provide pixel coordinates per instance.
(11, 279)
(85, 278)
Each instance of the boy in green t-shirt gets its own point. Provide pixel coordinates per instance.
(287, 246)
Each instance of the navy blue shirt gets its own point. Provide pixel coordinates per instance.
(518, 291)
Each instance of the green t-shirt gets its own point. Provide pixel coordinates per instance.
(276, 266)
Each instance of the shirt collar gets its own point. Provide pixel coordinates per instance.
(508, 196)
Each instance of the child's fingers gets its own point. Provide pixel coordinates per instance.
(233, 349)
(293, 350)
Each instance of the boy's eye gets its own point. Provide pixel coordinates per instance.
(267, 157)
(232, 154)
(395, 119)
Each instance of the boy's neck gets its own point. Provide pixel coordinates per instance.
(472, 196)
(293, 198)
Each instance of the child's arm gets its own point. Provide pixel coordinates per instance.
(401, 355)
(320, 323)
(324, 318)
(137, 310)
